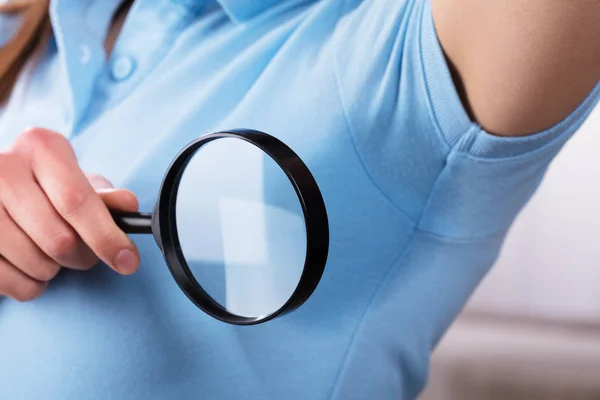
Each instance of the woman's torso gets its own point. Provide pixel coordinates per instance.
(359, 118)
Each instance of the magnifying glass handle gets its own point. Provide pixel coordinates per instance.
(133, 222)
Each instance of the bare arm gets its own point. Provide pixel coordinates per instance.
(521, 65)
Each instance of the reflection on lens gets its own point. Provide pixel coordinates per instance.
(241, 227)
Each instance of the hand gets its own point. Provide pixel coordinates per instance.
(51, 216)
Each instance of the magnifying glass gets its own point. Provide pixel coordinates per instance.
(242, 226)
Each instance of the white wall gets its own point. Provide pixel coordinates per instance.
(550, 264)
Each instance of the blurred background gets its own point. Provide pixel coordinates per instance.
(532, 329)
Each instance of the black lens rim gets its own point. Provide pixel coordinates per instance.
(311, 201)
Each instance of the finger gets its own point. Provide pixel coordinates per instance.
(19, 250)
(57, 172)
(31, 210)
(17, 285)
(119, 199)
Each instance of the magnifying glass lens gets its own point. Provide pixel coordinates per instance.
(241, 227)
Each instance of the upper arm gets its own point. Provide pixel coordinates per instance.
(521, 66)
(413, 135)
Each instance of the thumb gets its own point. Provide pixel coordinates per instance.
(119, 199)
(98, 181)
(115, 199)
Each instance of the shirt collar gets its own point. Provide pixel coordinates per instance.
(243, 10)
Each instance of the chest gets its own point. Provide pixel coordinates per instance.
(159, 92)
(128, 117)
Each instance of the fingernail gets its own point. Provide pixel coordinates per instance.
(126, 262)
(106, 190)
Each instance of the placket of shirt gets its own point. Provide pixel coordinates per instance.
(147, 34)
(80, 43)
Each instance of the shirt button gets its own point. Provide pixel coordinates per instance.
(84, 54)
(122, 67)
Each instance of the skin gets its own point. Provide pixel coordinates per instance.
(520, 66)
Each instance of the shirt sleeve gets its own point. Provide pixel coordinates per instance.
(416, 140)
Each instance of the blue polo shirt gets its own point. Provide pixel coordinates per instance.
(419, 197)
